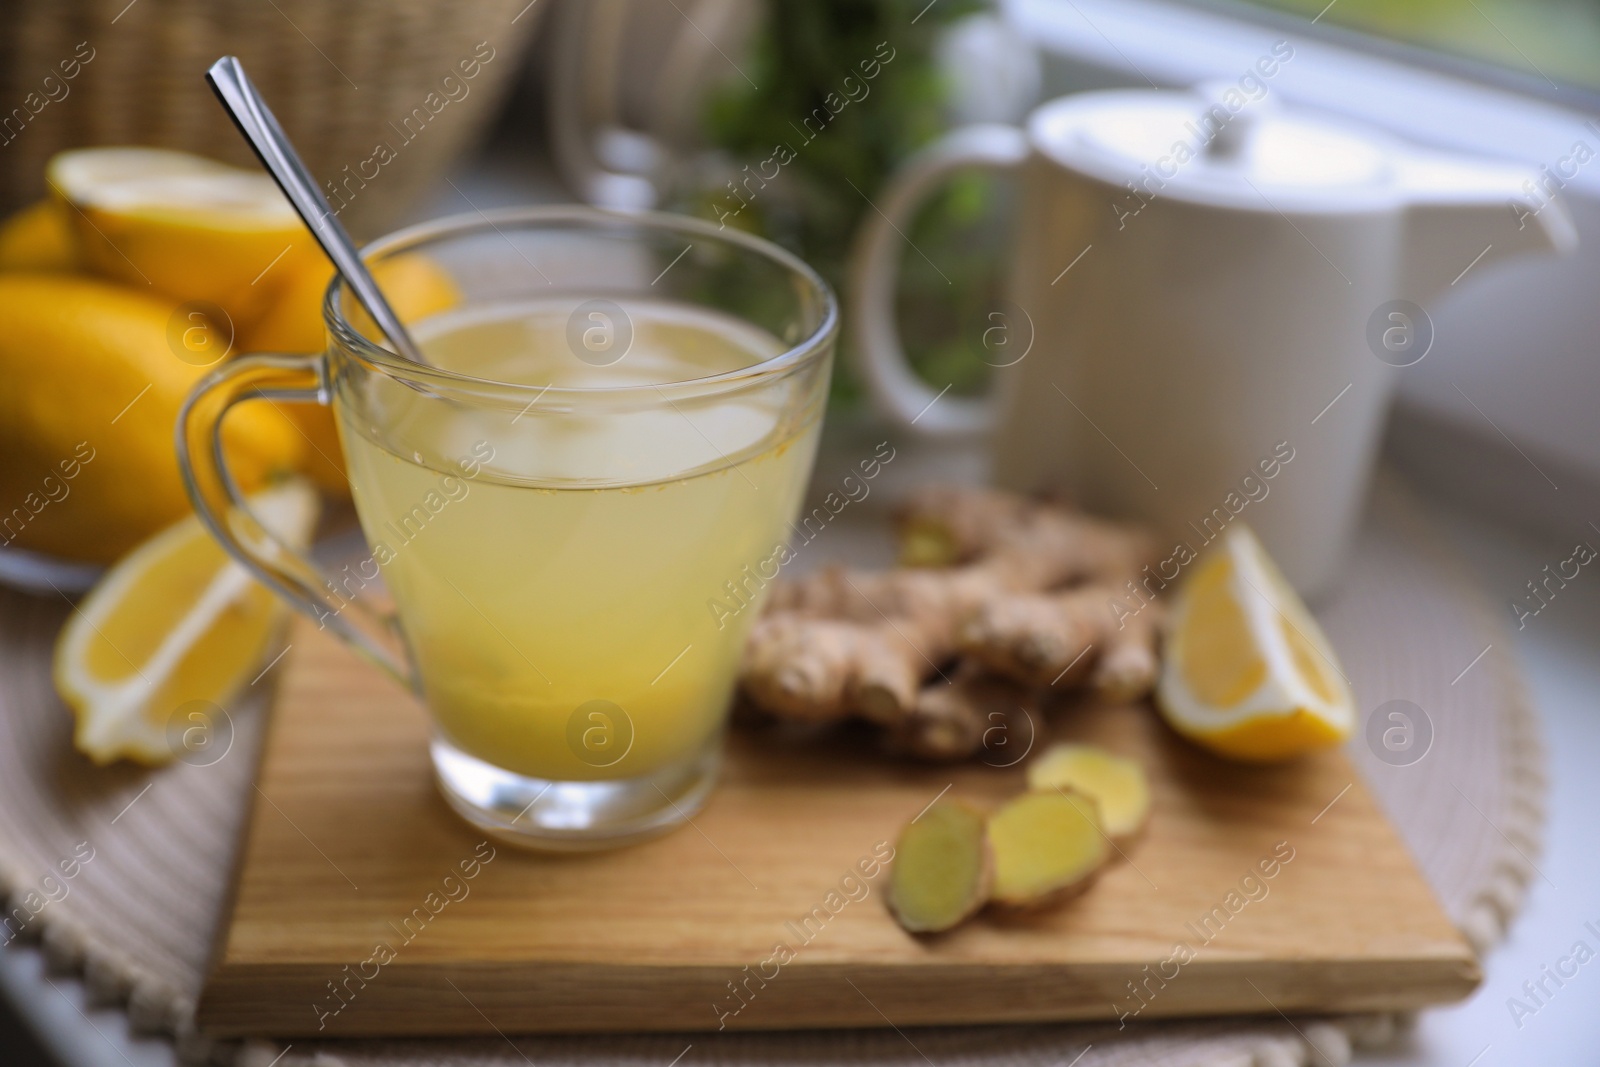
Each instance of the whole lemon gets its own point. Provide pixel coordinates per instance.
(94, 380)
(38, 238)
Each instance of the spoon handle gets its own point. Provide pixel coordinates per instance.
(260, 127)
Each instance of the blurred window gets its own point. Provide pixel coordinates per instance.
(1541, 44)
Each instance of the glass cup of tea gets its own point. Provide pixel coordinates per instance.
(617, 418)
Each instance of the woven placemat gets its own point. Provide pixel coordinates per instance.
(150, 852)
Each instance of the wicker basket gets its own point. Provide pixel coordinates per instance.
(344, 76)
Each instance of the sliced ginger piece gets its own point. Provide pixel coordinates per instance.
(1118, 786)
(942, 868)
(1047, 846)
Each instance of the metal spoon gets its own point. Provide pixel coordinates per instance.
(260, 127)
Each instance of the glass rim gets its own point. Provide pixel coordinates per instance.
(352, 342)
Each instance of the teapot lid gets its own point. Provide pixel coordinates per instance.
(1214, 145)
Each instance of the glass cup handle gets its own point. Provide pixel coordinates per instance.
(297, 380)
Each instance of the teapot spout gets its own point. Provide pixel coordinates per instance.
(1464, 214)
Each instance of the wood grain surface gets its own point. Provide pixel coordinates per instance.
(353, 912)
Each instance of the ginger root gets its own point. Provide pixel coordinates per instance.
(1045, 640)
(1000, 584)
(975, 712)
(942, 868)
(841, 642)
(827, 669)
(1129, 661)
(1036, 638)
(1118, 786)
(1047, 846)
(1044, 544)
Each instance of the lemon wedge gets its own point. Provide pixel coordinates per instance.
(1248, 672)
(176, 622)
(190, 227)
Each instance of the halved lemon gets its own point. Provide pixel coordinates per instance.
(1248, 672)
(190, 227)
(174, 627)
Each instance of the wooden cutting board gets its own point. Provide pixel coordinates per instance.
(353, 914)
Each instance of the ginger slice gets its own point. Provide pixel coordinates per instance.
(1047, 847)
(942, 868)
(1118, 786)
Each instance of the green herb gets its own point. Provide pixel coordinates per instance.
(844, 91)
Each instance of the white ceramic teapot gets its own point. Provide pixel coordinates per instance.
(1208, 300)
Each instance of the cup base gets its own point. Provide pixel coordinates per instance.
(558, 816)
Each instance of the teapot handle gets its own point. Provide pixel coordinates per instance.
(1465, 212)
(875, 270)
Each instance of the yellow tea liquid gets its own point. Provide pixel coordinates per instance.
(553, 566)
